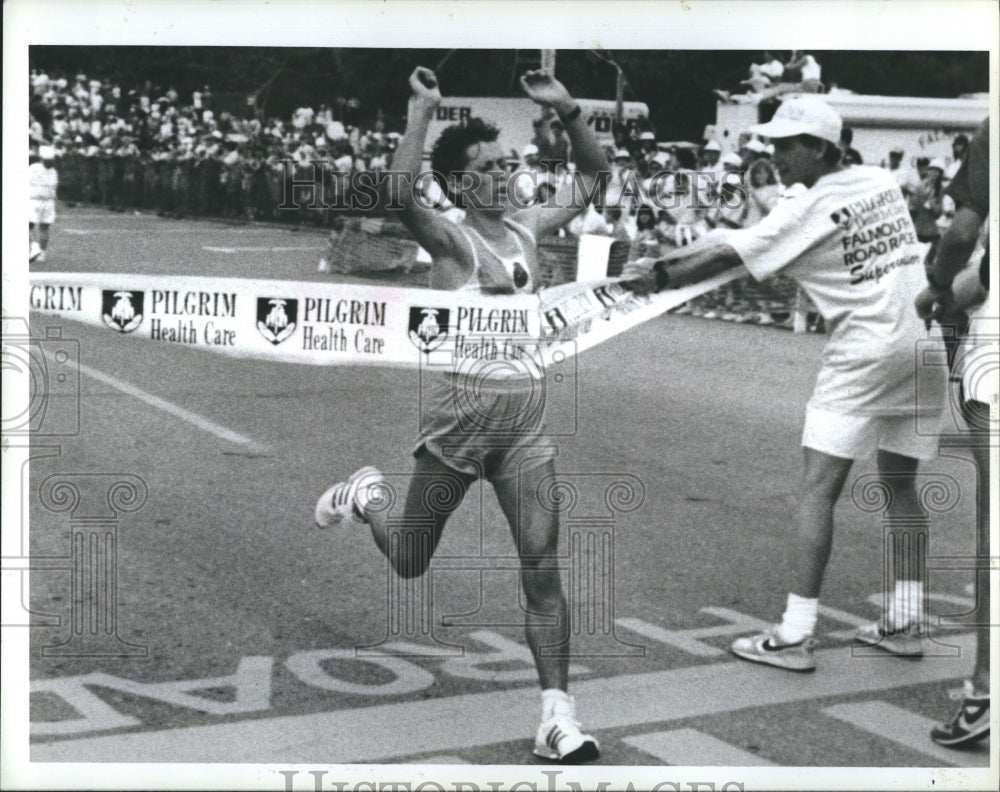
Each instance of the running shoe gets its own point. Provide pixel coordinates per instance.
(763, 648)
(905, 642)
(34, 251)
(560, 738)
(339, 503)
(970, 724)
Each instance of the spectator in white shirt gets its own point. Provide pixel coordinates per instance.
(764, 75)
(43, 182)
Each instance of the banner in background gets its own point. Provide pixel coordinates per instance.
(353, 324)
(514, 117)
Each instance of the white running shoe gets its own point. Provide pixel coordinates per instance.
(559, 737)
(763, 648)
(34, 251)
(340, 502)
(905, 642)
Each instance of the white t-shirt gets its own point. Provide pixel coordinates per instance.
(773, 69)
(850, 244)
(42, 182)
(811, 70)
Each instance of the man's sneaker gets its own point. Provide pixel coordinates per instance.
(763, 648)
(970, 724)
(340, 502)
(905, 642)
(34, 251)
(559, 737)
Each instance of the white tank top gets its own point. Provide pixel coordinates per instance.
(513, 273)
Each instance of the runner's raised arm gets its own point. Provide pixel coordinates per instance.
(589, 157)
(429, 228)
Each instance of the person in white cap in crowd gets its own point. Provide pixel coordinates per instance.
(43, 183)
(750, 149)
(647, 145)
(621, 175)
(711, 156)
(863, 272)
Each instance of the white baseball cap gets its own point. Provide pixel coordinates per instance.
(46, 152)
(622, 154)
(803, 115)
(661, 158)
(529, 150)
(731, 158)
(754, 145)
(938, 163)
(647, 136)
(713, 145)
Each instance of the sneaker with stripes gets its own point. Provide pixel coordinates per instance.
(559, 737)
(341, 503)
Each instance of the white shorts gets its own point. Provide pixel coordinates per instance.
(861, 436)
(42, 212)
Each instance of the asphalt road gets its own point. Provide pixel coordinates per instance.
(222, 563)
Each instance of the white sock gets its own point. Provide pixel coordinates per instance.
(907, 606)
(554, 699)
(799, 619)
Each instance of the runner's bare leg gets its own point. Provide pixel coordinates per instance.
(536, 534)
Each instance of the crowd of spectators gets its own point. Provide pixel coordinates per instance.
(146, 148)
(923, 186)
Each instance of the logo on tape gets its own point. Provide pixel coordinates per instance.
(276, 318)
(428, 327)
(121, 310)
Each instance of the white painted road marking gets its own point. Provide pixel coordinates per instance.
(688, 640)
(692, 748)
(169, 407)
(265, 249)
(119, 231)
(906, 728)
(442, 759)
(442, 725)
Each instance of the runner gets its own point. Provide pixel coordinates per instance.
(848, 240)
(954, 287)
(493, 251)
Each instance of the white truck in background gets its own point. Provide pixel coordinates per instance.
(919, 127)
